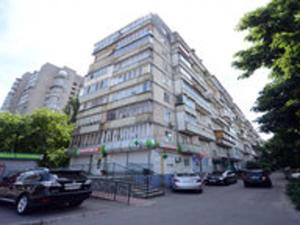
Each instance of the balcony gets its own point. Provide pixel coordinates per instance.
(224, 138)
(59, 83)
(226, 114)
(202, 104)
(196, 129)
(189, 148)
(185, 108)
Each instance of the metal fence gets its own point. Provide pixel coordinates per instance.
(111, 189)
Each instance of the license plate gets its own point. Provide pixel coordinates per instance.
(73, 186)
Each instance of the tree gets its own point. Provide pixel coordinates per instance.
(11, 129)
(44, 132)
(72, 109)
(50, 132)
(274, 34)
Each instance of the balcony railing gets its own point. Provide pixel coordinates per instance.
(201, 102)
(197, 130)
(224, 138)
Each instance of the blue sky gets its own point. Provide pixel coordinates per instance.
(63, 32)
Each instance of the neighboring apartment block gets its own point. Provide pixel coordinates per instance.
(50, 87)
(150, 102)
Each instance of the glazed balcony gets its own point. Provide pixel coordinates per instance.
(194, 128)
(201, 104)
(224, 138)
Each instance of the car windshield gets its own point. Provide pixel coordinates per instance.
(255, 173)
(186, 175)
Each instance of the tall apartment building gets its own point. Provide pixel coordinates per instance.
(150, 102)
(50, 87)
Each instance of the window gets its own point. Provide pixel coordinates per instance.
(130, 110)
(138, 89)
(168, 136)
(29, 177)
(185, 73)
(133, 37)
(186, 162)
(139, 131)
(132, 46)
(167, 116)
(166, 97)
(132, 60)
(100, 72)
(185, 61)
(131, 74)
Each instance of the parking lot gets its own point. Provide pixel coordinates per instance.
(226, 205)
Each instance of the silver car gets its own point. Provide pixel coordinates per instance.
(187, 181)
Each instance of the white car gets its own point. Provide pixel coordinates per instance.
(295, 175)
(187, 181)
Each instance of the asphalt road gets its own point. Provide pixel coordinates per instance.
(217, 205)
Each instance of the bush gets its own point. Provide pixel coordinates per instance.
(293, 191)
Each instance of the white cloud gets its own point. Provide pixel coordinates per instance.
(63, 32)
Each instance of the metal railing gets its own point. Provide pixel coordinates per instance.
(111, 189)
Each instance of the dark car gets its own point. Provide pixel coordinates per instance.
(36, 187)
(256, 177)
(225, 177)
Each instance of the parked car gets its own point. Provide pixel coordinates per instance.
(218, 177)
(257, 177)
(292, 173)
(187, 181)
(36, 187)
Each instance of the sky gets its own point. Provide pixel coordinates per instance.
(63, 32)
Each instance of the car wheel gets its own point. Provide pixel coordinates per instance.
(246, 184)
(22, 205)
(75, 203)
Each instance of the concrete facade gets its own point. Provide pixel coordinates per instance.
(149, 101)
(50, 87)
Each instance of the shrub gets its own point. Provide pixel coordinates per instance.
(293, 191)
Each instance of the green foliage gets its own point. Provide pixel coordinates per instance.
(274, 31)
(44, 132)
(12, 128)
(179, 148)
(56, 158)
(72, 109)
(293, 191)
(274, 34)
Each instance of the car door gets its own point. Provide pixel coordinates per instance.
(6, 186)
(230, 176)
